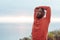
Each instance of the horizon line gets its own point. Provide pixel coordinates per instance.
(24, 19)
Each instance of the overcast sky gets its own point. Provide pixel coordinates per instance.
(26, 7)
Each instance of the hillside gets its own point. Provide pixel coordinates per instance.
(54, 35)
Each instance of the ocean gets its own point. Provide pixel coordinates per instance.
(15, 31)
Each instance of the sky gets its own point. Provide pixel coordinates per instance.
(16, 17)
(25, 8)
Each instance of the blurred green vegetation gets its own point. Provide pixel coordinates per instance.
(54, 35)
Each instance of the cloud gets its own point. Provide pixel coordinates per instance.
(23, 19)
